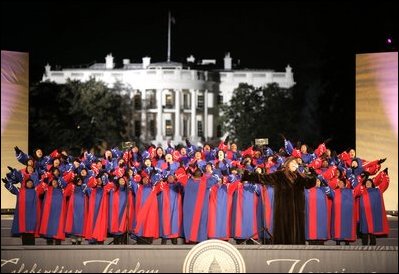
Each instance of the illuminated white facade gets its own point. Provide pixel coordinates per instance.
(172, 100)
(230, 78)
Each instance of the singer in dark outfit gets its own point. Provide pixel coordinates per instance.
(289, 201)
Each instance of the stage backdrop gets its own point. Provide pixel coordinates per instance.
(377, 115)
(171, 259)
(14, 114)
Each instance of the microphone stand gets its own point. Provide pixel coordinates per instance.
(127, 198)
(257, 232)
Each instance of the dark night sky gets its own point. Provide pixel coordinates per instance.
(319, 40)
(261, 35)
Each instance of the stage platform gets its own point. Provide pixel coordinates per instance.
(134, 258)
(7, 240)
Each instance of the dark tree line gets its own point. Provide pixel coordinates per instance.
(75, 115)
(260, 112)
(306, 113)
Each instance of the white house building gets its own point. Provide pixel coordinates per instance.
(230, 78)
(172, 100)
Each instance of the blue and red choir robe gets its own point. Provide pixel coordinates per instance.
(195, 208)
(223, 166)
(258, 161)
(373, 218)
(119, 208)
(320, 150)
(167, 168)
(271, 166)
(184, 159)
(63, 167)
(131, 224)
(170, 206)
(329, 173)
(158, 162)
(318, 213)
(52, 222)
(194, 163)
(222, 146)
(96, 225)
(233, 155)
(15, 177)
(110, 164)
(306, 157)
(343, 221)
(95, 170)
(346, 159)
(247, 152)
(289, 148)
(40, 164)
(247, 211)
(132, 159)
(22, 157)
(220, 210)
(267, 199)
(88, 159)
(372, 167)
(146, 221)
(248, 167)
(27, 210)
(34, 176)
(210, 155)
(77, 209)
(354, 178)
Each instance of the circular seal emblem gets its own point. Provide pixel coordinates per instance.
(214, 256)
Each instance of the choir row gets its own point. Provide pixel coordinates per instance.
(193, 193)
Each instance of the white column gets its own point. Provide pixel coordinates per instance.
(177, 137)
(131, 113)
(193, 114)
(205, 123)
(143, 115)
(159, 115)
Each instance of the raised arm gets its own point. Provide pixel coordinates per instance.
(307, 180)
(256, 178)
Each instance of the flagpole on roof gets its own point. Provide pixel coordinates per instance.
(169, 23)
